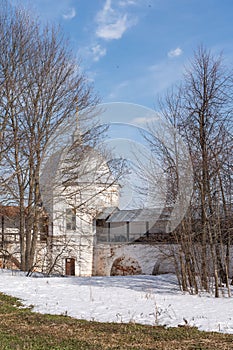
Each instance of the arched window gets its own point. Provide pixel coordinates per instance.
(70, 219)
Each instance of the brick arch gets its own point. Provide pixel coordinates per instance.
(124, 266)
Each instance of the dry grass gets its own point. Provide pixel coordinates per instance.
(23, 329)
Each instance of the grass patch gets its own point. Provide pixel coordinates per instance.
(20, 328)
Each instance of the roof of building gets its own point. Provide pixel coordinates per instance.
(136, 215)
(10, 211)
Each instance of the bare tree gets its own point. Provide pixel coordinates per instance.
(207, 102)
(201, 110)
(41, 87)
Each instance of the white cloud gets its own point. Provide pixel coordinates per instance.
(112, 23)
(144, 120)
(93, 52)
(175, 53)
(98, 51)
(113, 30)
(71, 13)
(127, 2)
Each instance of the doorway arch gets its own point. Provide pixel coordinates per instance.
(70, 267)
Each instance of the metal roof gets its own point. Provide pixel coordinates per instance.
(135, 215)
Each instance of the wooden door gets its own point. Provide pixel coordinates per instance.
(70, 267)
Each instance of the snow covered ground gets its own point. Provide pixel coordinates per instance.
(142, 299)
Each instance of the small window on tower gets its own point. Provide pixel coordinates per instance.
(71, 219)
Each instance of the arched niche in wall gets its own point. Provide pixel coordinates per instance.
(124, 266)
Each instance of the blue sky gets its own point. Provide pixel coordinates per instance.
(133, 50)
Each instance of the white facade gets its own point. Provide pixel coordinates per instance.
(72, 210)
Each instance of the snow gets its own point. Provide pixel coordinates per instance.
(152, 300)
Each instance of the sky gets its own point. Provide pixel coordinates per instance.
(134, 50)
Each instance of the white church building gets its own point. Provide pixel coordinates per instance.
(86, 233)
(79, 186)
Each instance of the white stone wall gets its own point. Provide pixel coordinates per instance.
(93, 199)
(155, 259)
(147, 256)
